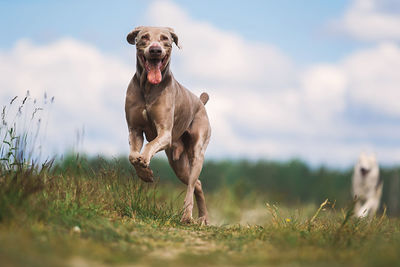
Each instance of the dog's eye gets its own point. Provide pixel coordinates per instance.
(163, 38)
(145, 37)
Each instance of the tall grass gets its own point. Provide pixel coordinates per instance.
(20, 131)
(20, 176)
(66, 192)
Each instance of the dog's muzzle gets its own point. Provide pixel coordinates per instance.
(155, 51)
(364, 171)
(154, 60)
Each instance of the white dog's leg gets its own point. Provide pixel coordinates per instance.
(363, 211)
(376, 200)
(369, 208)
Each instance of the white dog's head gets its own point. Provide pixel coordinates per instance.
(366, 164)
(366, 173)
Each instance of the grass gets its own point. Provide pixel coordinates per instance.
(58, 214)
(120, 220)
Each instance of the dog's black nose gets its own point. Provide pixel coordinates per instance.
(155, 50)
(364, 171)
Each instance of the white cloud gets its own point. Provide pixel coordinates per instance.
(261, 105)
(374, 78)
(324, 91)
(222, 57)
(88, 87)
(371, 20)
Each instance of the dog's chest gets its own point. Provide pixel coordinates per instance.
(367, 184)
(145, 116)
(148, 125)
(139, 117)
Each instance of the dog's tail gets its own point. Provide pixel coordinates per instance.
(204, 98)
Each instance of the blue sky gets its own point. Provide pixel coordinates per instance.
(311, 79)
(295, 26)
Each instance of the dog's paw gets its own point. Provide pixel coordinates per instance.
(202, 220)
(187, 219)
(134, 157)
(142, 162)
(144, 173)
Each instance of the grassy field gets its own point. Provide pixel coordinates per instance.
(105, 217)
(70, 213)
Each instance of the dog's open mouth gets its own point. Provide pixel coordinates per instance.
(153, 68)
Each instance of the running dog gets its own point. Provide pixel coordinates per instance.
(367, 186)
(167, 114)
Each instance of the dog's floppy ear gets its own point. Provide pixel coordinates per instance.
(131, 37)
(174, 36)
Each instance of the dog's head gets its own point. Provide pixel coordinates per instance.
(153, 49)
(366, 163)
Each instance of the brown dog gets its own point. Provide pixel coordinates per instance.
(171, 117)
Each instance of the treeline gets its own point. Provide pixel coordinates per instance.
(291, 183)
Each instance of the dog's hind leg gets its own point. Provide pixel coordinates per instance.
(201, 203)
(199, 137)
(177, 149)
(181, 166)
(375, 200)
(186, 171)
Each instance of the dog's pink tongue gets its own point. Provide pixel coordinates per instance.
(154, 73)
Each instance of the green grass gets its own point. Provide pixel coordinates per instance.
(71, 213)
(123, 221)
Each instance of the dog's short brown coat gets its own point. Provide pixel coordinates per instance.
(170, 116)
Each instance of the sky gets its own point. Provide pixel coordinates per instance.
(315, 80)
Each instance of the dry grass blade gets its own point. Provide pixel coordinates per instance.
(311, 221)
(273, 210)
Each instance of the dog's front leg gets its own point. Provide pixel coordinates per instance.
(162, 115)
(135, 144)
(161, 142)
(369, 208)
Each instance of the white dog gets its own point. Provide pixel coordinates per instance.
(367, 186)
